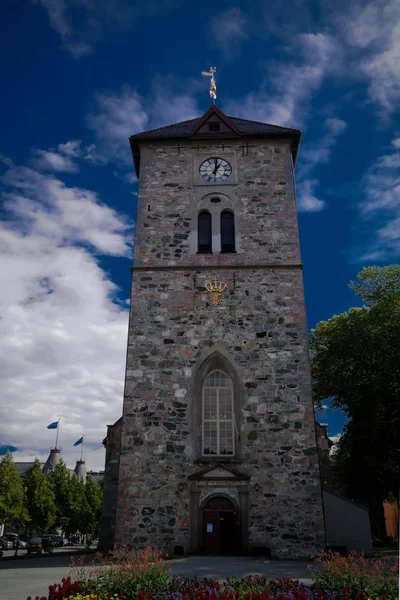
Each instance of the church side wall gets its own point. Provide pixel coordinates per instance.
(110, 487)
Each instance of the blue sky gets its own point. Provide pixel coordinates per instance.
(80, 76)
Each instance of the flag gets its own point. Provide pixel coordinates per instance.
(5, 449)
(53, 425)
(80, 441)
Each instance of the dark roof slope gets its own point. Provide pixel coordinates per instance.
(184, 129)
(189, 129)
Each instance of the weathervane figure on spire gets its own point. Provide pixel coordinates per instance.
(213, 87)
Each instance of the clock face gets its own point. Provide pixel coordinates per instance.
(215, 170)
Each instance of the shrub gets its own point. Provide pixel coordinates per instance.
(129, 575)
(354, 575)
(125, 571)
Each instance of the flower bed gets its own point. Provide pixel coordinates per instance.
(130, 575)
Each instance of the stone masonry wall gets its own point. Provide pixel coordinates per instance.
(261, 330)
(263, 201)
(110, 487)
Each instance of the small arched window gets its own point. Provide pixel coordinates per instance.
(204, 233)
(217, 415)
(227, 231)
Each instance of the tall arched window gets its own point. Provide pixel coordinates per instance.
(227, 231)
(218, 417)
(204, 233)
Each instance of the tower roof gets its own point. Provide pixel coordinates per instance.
(234, 127)
(52, 461)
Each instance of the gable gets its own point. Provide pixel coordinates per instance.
(218, 473)
(214, 124)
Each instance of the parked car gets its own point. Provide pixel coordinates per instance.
(67, 541)
(56, 539)
(6, 544)
(39, 545)
(17, 541)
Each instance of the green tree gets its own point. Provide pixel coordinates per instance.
(355, 359)
(77, 506)
(377, 283)
(11, 491)
(92, 513)
(40, 498)
(60, 480)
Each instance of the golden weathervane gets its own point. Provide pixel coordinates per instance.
(215, 290)
(213, 86)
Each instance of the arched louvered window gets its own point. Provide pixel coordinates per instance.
(204, 233)
(217, 415)
(227, 231)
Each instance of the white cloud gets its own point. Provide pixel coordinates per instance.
(53, 161)
(118, 115)
(59, 21)
(375, 28)
(94, 157)
(307, 201)
(292, 84)
(380, 209)
(169, 107)
(83, 23)
(320, 151)
(70, 215)
(115, 118)
(71, 148)
(63, 331)
(65, 158)
(228, 31)
(6, 161)
(310, 157)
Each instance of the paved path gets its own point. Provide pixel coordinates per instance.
(32, 576)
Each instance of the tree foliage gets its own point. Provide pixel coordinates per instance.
(40, 498)
(60, 500)
(11, 491)
(377, 283)
(92, 513)
(77, 507)
(355, 359)
(60, 480)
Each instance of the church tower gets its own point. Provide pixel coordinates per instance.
(216, 448)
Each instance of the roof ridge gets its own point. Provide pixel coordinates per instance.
(166, 126)
(263, 123)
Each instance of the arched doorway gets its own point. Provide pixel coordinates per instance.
(221, 527)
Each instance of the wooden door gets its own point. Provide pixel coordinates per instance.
(211, 538)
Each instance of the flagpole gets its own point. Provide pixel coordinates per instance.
(83, 438)
(58, 428)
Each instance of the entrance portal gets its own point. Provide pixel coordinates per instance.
(221, 530)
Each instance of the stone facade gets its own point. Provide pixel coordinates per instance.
(258, 337)
(324, 444)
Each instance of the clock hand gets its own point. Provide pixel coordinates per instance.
(216, 167)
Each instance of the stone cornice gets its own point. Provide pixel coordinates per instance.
(211, 267)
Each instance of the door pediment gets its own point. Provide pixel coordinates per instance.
(219, 473)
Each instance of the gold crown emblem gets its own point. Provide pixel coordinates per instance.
(215, 289)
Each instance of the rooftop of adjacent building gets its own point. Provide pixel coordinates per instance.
(53, 459)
